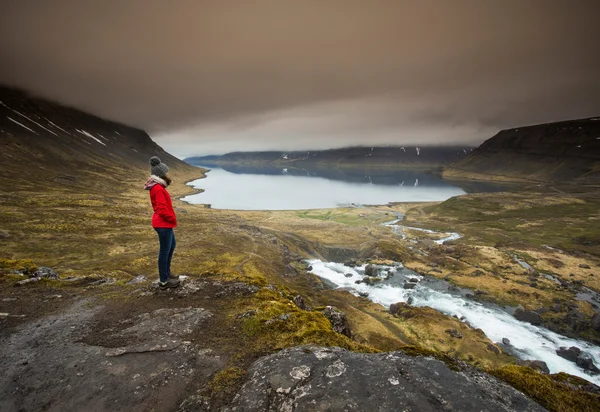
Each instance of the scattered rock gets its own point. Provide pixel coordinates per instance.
(454, 333)
(370, 270)
(348, 275)
(537, 365)
(410, 300)
(4, 234)
(506, 341)
(312, 378)
(338, 320)
(105, 281)
(584, 266)
(280, 318)
(596, 322)
(240, 289)
(409, 285)
(557, 308)
(576, 320)
(368, 281)
(299, 301)
(528, 316)
(25, 281)
(453, 288)
(569, 353)
(44, 272)
(585, 361)
(493, 348)
(290, 270)
(413, 280)
(363, 294)
(137, 279)
(247, 314)
(397, 308)
(477, 273)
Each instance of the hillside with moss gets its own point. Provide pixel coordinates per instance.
(567, 151)
(92, 330)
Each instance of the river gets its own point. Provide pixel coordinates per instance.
(527, 342)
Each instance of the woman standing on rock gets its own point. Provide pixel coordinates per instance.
(163, 220)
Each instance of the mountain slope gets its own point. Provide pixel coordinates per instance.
(44, 142)
(388, 157)
(562, 151)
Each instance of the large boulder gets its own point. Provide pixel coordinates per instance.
(312, 378)
(338, 320)
(569, 353)
(528, 316)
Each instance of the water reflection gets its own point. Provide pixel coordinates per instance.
(270, 188)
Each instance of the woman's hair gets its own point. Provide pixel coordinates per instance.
(167, 179)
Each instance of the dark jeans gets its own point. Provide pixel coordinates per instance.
(166, 238)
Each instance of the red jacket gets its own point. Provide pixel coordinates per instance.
(164, 215)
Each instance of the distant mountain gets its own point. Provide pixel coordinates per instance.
(370, 157)
(561, 152)
(42, 142)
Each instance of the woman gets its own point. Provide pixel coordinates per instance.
(163, 220)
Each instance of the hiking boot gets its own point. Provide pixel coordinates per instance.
(174, 277)
(170, 283)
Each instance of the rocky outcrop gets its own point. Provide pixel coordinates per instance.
(528, 316)
(338, 320)
(312, 378)
(581, 358)
(562, 151)
(69, 362)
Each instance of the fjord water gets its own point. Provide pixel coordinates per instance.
(283, 189)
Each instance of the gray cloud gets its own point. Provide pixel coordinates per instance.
(211, 76)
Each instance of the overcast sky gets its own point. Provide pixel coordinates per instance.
(207, 77)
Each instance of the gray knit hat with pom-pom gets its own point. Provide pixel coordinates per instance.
(158, 168)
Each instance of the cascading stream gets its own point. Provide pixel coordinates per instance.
(528, 342)
(399, 230)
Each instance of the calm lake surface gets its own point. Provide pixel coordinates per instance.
(267, 188)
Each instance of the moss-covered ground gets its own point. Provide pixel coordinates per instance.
(104, 233)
